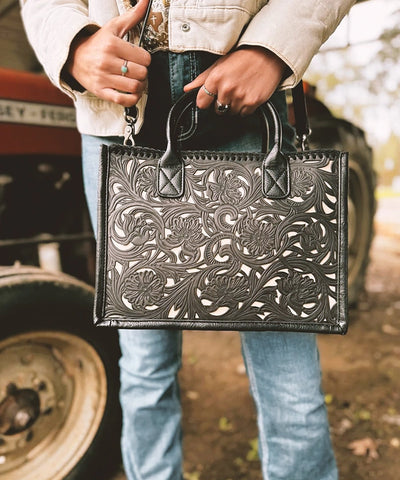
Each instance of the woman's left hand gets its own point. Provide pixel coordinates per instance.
(243, 79)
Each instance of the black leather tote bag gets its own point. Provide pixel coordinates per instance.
(222, 241)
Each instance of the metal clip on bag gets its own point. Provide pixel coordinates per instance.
(222, 241)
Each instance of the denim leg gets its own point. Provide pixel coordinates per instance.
(285, 382)
(151, 429)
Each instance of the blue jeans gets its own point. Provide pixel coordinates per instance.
(283, 368)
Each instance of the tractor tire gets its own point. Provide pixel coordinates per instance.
(338, 134)
(59, 381)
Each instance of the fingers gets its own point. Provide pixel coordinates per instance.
(119, 97)
(127, 85)
(95, 60)
(120, 86)
(198, 81)
(132, 84)
(216, 91)
(131, 53)
(213, 94)
(121, 25)
(243, 79)
(206, 97)
(116, 52)
(134, 70)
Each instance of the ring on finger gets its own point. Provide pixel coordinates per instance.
(210, 94)
(222, 107)
(124, 68)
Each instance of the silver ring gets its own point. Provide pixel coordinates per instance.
(222, 107)
(210, 94)
(124, 68)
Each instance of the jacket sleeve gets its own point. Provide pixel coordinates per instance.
(51, 25)
(295, 30)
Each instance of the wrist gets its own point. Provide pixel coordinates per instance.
(67, 72)
(282, 69)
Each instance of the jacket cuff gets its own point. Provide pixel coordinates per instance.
(294, 34)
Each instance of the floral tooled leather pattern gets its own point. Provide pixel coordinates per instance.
(222, 252)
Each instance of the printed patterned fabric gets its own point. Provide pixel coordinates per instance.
(156, 35)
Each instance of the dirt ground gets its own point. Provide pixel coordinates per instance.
(361, 379)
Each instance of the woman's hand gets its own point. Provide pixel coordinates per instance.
(95, 60)
(243, 79)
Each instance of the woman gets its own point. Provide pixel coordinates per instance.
(240, 53)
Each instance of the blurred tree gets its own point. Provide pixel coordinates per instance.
(387, 160)
(361, 82)
(387, 65)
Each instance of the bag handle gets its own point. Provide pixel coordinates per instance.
(171, 167)
(188, 101)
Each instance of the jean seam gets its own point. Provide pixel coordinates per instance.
(171, 67)
(254, 388)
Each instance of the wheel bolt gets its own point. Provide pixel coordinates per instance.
(21, 419)
(27, 359)
(11, 388)
(42, 386)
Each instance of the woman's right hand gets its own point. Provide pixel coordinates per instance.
(95, 60)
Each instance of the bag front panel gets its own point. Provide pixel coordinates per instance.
(223, 255)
